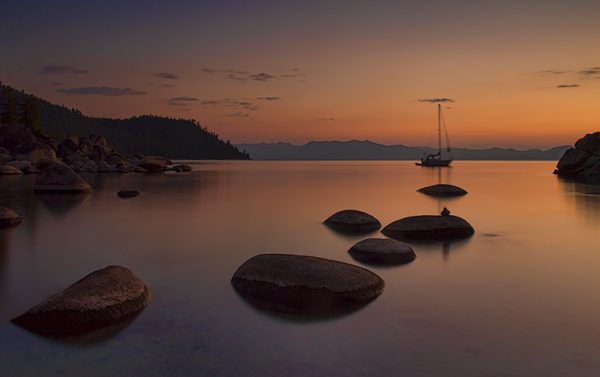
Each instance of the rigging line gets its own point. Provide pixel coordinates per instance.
(448, 147)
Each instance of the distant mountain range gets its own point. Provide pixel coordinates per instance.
(368, 150)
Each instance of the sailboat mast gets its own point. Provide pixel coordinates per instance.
(440, 130)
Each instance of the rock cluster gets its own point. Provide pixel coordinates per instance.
(583, 161)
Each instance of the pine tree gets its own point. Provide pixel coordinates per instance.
(30, 116)
(9, 113)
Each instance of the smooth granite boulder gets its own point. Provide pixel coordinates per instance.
(154, 164)
(352, 221)
(8, 217)
(9, 170)
(59, 178)
(442, 190)
(305, 285)
(583, 161)
(382, 251)
(128, 193)
(182, 168)
(429, 227)
(24, 166)
(102, 298)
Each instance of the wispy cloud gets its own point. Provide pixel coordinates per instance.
(238, 114)
(567, 86)
(230, 102)
(436, 100)
(61, 69)
(550, 72)
(102, 91)
(183, 99)
(175, 103)
(244, 76)
(272, 98)
(327, 119)
(590, 72)
(167, 75)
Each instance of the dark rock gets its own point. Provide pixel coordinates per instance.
(382, 251)
(103, 167)
(33, 151)
(442, 190)
(75, 157)
(23, 166)
(60, 178)
(90, 166)
(69, 146)
(429, 227)
(115, 159)
(352, 221)
(128, 193)
(182, 168)
(9, 170)
(154, 164)
(305, 285)
(102, 298)
(8, 217)
(583, 160)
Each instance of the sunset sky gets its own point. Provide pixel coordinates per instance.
(520, 73)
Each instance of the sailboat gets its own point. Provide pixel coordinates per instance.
(436, 159)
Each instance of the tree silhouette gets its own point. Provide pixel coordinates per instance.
(9, 113)
(30, 116)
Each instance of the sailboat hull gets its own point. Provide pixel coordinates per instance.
(434, 163)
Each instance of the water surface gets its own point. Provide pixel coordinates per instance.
(520, 298)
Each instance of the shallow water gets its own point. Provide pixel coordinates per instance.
(520, 298)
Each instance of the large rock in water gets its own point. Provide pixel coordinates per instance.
(352, 221)
(9, 170)
(34, 151)
(128, 193)
(305, 285)
(442, 190)
(154, 164)
(102, 298)
(8, 217)
(59, 178)
(583, 160)
(382, 251)
(429, 227)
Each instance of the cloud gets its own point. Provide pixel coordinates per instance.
(102, 91)
(167, 75)
(237, 115)
(327, 119)
(567, 86)
(436, 100)
(174, 103)
(57, 83)
(272, 98)
(61, 69)
(244, 76)
(550, 72)
(231, 102)
(588, 72)
(183, 99)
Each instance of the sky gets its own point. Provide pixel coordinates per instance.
(522, 74)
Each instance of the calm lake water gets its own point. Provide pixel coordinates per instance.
(520, 298)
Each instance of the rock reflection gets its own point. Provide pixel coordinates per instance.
(585, 196)
(61, 204)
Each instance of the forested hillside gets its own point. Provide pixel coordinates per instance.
(147, 134)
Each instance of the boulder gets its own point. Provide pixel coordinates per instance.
(5, 155)
(9, 170)
(429, 227)
(98, 140)
(128, 193)
(33, 151)
(583, 160)
(352, 221)
(8, 217)
(23, 166)
(59, 178)
(76, 157)
(182, 168)
(442, 190)
(305, 285)
(139, 169)
(125, 168)
(154, 164)
(115, 159)
(69, 146)
(103, 167)
(382, 251)
(102, 298)
(90, 166)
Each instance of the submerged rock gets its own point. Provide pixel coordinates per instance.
(60, 178)
(429, 227)
(352, 221)
(583, 160)
(305, 285)
(8, 217)
(9, 170)
(382, 251)
(128, 193)
(102, 298)
(442, 190)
